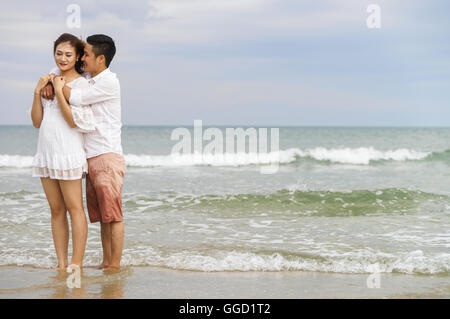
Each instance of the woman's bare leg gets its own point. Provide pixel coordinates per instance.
(60, 225)
(72, 193)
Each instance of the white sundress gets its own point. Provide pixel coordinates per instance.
(60, 151)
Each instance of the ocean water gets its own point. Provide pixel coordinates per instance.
(344, 200)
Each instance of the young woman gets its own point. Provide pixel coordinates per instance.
(60, 160)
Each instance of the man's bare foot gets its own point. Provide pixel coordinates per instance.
(103, 265)
(111, 269)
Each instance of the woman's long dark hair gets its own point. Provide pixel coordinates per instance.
(77, 44)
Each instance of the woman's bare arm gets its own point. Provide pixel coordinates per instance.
(37, 113)
(58, 84)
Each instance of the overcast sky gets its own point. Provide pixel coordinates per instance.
(246, 62)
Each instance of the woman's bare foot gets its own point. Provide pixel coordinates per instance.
(75, 266)
(61, 268)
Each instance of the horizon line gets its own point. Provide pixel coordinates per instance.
(268, 125)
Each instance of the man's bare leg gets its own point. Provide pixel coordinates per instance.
(117, 235)
(106, 244)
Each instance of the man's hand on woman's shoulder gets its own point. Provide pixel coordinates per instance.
(48, 92)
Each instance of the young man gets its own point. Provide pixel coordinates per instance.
(106, 164)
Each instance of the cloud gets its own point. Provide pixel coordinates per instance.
(18, 85)
(215, 21)
(261, 59)
(27, 30)
(198, 8)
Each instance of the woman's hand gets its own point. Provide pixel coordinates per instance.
(58, 83)
(42, 83)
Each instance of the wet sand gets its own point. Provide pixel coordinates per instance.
(153, 282)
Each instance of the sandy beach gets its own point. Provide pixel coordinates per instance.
(154, 282)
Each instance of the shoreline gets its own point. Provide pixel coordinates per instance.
(155, 282)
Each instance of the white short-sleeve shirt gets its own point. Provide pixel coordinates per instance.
(104, 97)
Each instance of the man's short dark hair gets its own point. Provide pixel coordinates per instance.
(102, 45)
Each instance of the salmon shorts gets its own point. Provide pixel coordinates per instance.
(104, 187)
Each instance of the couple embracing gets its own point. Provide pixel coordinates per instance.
(78, 112)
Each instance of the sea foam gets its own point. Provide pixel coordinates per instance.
(357, 156)
(357, 262)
